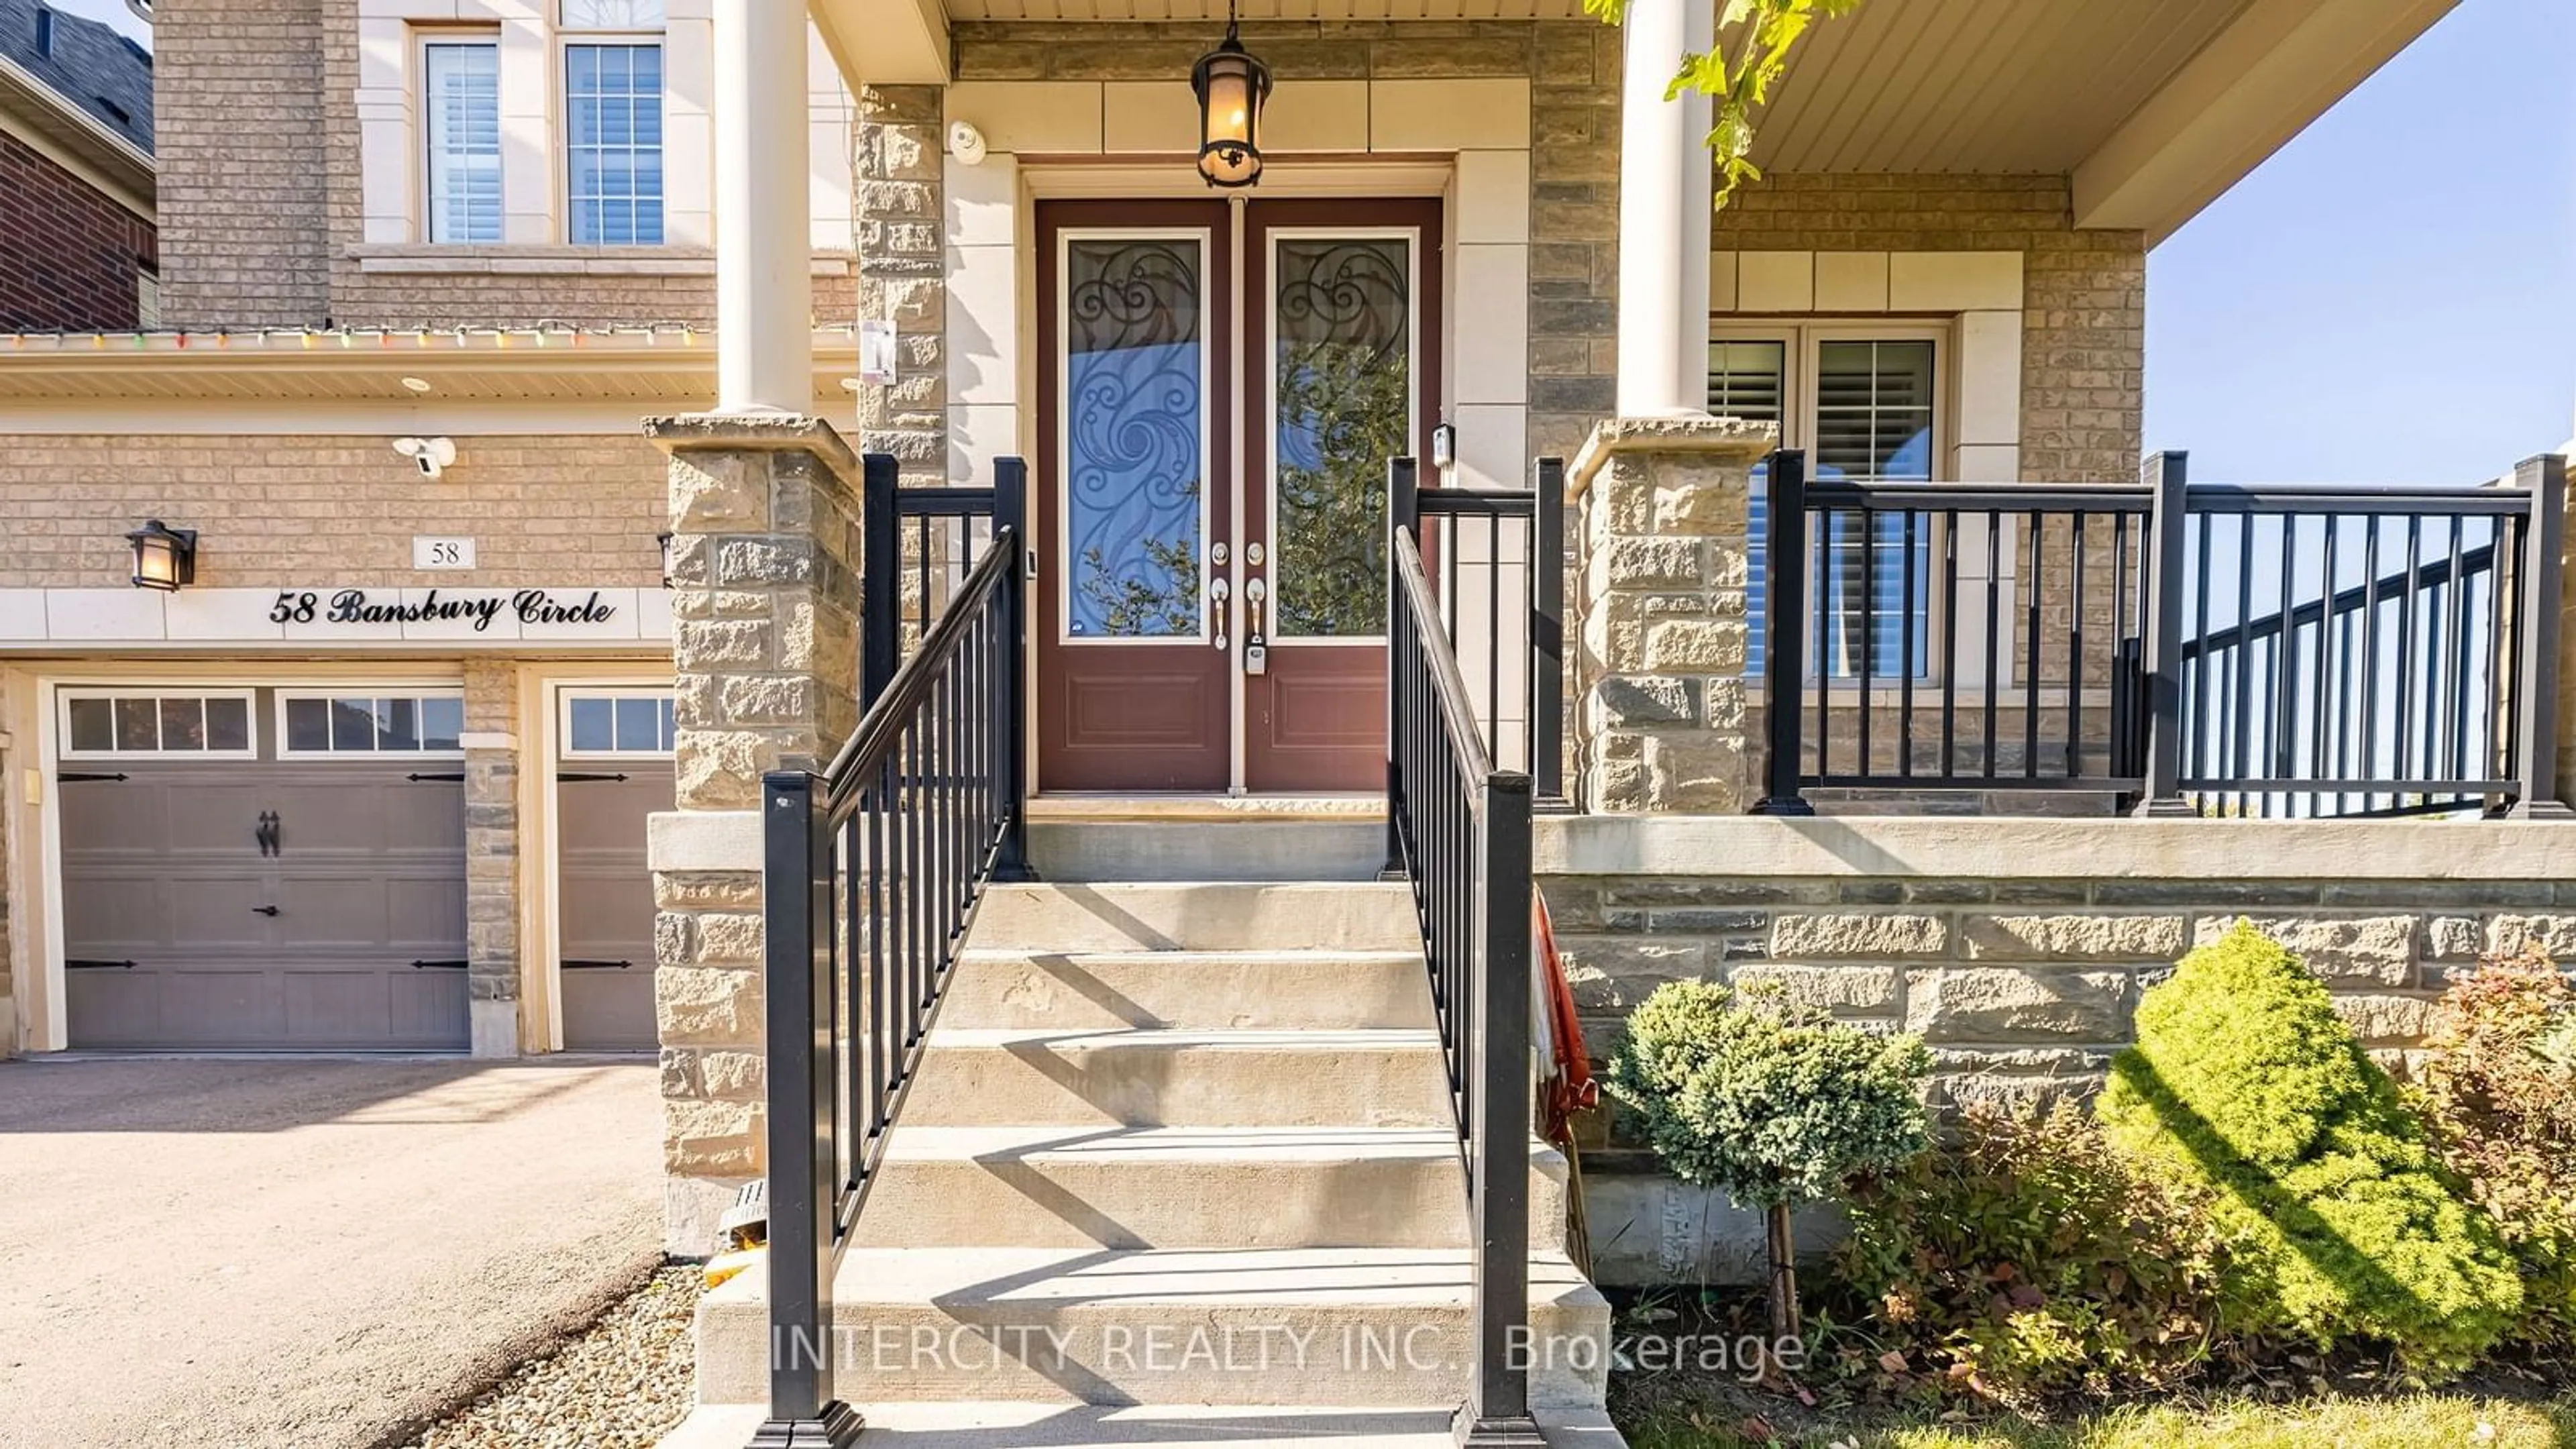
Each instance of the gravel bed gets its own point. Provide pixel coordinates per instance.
(621, 1383)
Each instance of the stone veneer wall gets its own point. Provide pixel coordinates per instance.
(1573, 69)
(2017, 948)
(276, 509)
(902, 276)
(492, 856)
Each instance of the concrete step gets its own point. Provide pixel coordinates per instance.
(1207, 850)
(1192, 1426)
(1353, 1327)
(1199, 916)
(1193, 990)
(1163, 1078)
(1184, 1187)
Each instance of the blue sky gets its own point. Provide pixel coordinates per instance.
(2392, 296)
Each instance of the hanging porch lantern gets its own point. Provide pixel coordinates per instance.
(1232, 86)
(165, 558)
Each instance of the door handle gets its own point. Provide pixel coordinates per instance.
(265, 910)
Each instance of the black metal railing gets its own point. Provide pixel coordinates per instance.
(872, 874)
(1950, 636)
(2368, 651)
(1499, 555)
(917, 546)
(2188, 648)
(1461, 832)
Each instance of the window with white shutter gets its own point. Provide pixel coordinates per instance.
(1865, 406)
(461, 81)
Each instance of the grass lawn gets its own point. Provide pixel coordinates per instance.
(2432, 1421)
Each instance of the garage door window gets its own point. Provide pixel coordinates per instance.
(601, 722)
(350, 724)
(117, 722)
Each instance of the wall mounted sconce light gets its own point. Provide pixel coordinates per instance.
(165, 558)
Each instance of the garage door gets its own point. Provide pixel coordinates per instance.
(264, 870)
(616, 771)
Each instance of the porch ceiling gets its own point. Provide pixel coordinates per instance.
(2152, 107)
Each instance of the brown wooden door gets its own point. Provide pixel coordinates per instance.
(1341, 370)
(1136, 381)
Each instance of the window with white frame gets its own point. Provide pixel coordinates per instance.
(106, 722)
(371, 722)
(612, 78)
(1864, 403)
(618, 722)
(461, 107)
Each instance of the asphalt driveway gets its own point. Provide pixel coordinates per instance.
(303, 1253)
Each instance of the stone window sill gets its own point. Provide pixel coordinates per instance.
(559, 261)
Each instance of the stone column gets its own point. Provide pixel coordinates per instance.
(764, 646)
(1661, 723)
(903, 276)
(1665, 187)
(764, 271)
(492, 856)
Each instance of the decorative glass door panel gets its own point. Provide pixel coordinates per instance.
(1339, 297)
(1341, 378)
(1135, 376)
(1135, 438)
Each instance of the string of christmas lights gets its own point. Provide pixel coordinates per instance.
(542, 334)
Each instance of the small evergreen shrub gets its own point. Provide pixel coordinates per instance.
(2498, 1091)
(2028, 1260)
(2340, 1221)
(1774, 1104)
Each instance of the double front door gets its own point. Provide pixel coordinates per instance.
(1220, 386)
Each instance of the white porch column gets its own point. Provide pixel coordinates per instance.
(1664, 200)
(764, 283)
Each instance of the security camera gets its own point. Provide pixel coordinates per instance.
(966, 143)
(431, 455)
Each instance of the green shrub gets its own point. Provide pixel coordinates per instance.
(2028, 1260)
(1774, 1104)
(2339, 1220)
(2498, 1092)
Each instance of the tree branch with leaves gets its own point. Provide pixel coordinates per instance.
(1752, 53)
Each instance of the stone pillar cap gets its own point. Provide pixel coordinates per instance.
(753, 432)
(1728, 440)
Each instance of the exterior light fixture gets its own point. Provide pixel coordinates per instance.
(665, 540)
(165, 558)
(1232, 87)
(1444, 447)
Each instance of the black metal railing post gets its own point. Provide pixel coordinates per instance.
(1011, 723)
(2536, 627)
(1547, 629)
(804, 1193)
(2161, 683)
(1499, 1131)
(880, 577)
(1403, 525)
(1784, 636)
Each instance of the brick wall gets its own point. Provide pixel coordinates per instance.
(2084, 292)
(69, 255)
(240, 143)
(282, 510)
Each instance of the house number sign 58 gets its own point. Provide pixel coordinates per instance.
(441, 553)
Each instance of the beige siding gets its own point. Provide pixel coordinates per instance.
(275, 511)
